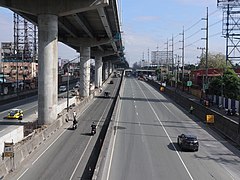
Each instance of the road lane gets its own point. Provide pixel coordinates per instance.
(143, 150)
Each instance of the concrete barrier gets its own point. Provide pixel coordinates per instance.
(14, 134)
(100, 171)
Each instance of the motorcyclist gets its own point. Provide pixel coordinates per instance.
(74, 119)
(74, 115)
(93, 126)
(191, 109)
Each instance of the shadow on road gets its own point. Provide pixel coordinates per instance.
(86, 134)
(172, 145)
(13, 122)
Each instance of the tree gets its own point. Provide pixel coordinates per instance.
(136, 65)
(229, 82)
(214, 61)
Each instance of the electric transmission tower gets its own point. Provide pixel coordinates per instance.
(231, 28)
(25, 39)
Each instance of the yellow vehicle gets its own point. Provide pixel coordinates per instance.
(15, 114)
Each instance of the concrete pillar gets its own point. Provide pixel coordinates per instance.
(110, 67)
(98, 71)
(47, 68)
(106, 70)
(84, 71)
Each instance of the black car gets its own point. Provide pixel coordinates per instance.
(188, 142)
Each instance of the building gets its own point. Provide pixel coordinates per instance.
(161, 57)
(13, 68)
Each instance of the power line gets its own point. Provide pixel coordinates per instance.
(212, 13)
(193, 25)
(215, 23)
(193, 43)
(215, 34)
(193, 34)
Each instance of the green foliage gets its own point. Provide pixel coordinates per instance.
(214, 61)
(229, 82)
(158, 71)
(136, 66)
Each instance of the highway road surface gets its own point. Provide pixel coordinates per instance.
(65, 155)
(145, 148)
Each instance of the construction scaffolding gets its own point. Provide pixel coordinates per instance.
(25, 40)
(231, 29)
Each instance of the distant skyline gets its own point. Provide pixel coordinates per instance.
(148, 24)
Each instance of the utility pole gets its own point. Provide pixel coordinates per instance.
(148, 55)
(172, 55)
(167, 64)
(206, 65)
(178, 61)
(202, 48)
(182, 57)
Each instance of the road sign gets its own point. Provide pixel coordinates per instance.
(8, 150)
(205, 86)
(189, 83)
(210, 119)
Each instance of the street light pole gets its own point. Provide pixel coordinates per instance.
(67, 87)
(68, 81)
(17, 76)
(3, 76)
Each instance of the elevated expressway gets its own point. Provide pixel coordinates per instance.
(91, 27)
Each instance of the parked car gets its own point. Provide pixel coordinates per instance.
(62, 88)
(188, 142)
(15, 114)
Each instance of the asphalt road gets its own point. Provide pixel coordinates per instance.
(145, 148)
(28, 105)
(65, 154)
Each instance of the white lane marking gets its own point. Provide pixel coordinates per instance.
(177, 118)
(167, 135)
(22, 174)
(135, 106)
(80, 159)
(115, 135)
(48, 148)
(75, 169)
(114, 142)
(54, 141)
(2, 130)
(137, 113)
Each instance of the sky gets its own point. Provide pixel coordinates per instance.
(148, 24)
(151, 24)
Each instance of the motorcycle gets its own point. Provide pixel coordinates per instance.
(93, 131)
(74, 125)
